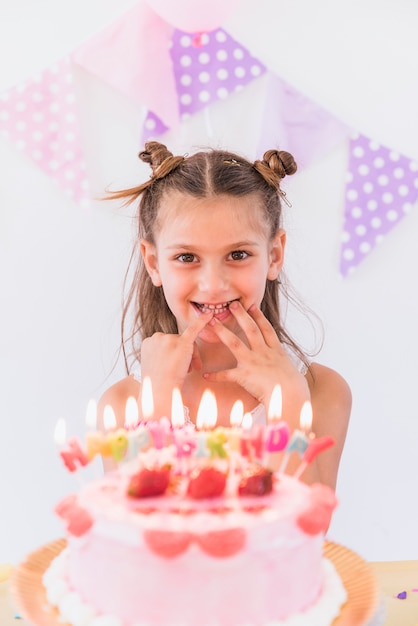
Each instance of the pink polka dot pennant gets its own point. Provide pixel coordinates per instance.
(381, 188)
(40, 118)
(207, 67)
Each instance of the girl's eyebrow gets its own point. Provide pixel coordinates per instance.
(231, 246)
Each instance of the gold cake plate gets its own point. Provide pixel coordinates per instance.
(362, 590)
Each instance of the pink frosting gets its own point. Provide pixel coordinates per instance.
(273, 570)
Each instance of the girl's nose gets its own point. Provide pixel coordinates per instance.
(213, 278)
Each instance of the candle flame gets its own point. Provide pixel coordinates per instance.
(306, 416)
(207, 413)
(131, 412)
(177, 409)
(109, 418)
(247, 421)
(237, 413)
(147, 400)
(275, 406)
(91, 414)
(60, 432)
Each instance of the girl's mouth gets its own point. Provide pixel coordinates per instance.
(216, 309)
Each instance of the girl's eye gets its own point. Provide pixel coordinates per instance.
(239, 255)
(187, 257)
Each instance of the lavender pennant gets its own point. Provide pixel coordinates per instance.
(381, 188)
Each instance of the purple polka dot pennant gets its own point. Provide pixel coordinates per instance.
(381, 188)
(207, 67)
(153, 126)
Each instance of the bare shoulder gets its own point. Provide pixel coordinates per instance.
(331, 405)
(324, 380)
(116, 396)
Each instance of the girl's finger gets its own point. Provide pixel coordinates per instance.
(192, 331)
(196, 362)
(255, 325)
(230, 339)
(223, 376)
(267, 330)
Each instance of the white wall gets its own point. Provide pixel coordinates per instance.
(61, 268)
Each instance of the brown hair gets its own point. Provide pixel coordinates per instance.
(202, 175)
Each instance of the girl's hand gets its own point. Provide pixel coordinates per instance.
(167, 358)
(262, 362)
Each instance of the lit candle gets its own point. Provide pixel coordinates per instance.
(116, 441)
(177, 409)
(235, 419)
(216, 443)
(93, 438)
(234, 435)
(315, 447)
(277, 430)
(72, 455)
(91, 414)
(183, 435)
(109, 422)
(158, 433)
(299, 440)
(131, 413)
(207, 415)
(251, 438)
(138, 435)
(156, 428)
(147, 400)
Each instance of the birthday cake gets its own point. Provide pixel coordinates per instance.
(193, 530)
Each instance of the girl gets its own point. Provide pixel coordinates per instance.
(206, 293)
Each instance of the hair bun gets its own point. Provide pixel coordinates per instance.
(281, 162)
(161, 160)
(154, 154)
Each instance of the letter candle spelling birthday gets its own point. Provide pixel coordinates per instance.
(207, 416)
(183, 434)
(278, 431)
(138, 435)
(315, 447)
(116, 440)
(234, 434)
(94, 439)
(299, 440)
(71, 452)
(157, 428)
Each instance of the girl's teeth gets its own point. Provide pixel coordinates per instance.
(216, 308)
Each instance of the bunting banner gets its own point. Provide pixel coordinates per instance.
(295, 123)
(172, 73)
(133, 56)
(207, 67)
(381, 188)
(40, 118)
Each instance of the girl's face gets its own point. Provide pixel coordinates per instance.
(209, 252)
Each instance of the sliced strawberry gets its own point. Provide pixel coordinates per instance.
(256, 481)
(222, 543)
(206, 482)
(149, 482)
(167, 543)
